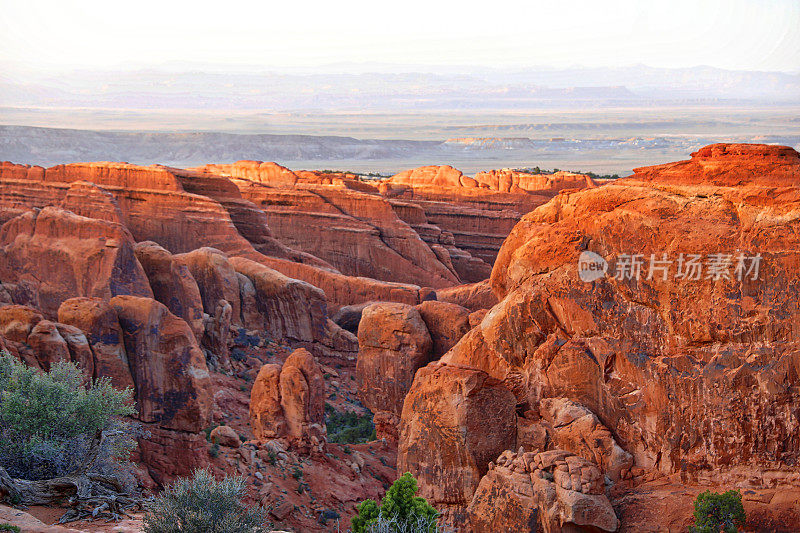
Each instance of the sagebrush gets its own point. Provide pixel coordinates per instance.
(51, 425)
(201, 504)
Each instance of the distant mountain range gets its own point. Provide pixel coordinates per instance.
(348, 89)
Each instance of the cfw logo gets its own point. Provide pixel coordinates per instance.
(591, 266)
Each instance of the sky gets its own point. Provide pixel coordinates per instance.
(47, 36)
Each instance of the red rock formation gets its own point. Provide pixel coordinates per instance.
(289, 402)
(518, 182)
(454, 422)
(552, 491)
(225, 436)
(168, 368)
(99, 322)
(683, 388)
(356, 232)
(182, 211)
(477, 218)
(393, 342)
(473, 296)
(446, 323)
(64, 255)
(266, 173)
(172, 283)
(290, 308)
(442, 176)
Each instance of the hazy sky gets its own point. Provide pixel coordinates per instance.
(48, 35)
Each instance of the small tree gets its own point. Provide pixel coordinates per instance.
(52, 426)
(201, 504)
(401, 510)
(715, 513)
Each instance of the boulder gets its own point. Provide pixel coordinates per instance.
(225, 436)
(446, 323)
(288, 401)
(455, 421)
(556, 493)
(48, 344)
(393, 342)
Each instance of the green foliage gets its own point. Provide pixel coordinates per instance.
(399, 509)
(715, 513)
(272, 457)
(9, 527)
(48, 419)
(201, 504)
(348, 427)
(367, 513)
(214, 451)
(297, 472)
(208, 431)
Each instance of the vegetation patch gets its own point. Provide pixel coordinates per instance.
(348, 427)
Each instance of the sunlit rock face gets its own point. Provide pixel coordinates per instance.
(691, 373)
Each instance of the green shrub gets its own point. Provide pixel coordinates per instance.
(714, 512)
(9, 527)
(214, 451)
(401, 510)
(348, 427)
(201, 504)
(49, 421)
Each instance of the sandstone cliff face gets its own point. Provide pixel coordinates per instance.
(62, 255)
(184, 210)
(356, 232)
(477, 216)
(690, 376)
(513, 181)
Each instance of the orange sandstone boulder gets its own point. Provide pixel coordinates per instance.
(225, 436)
(455, 421)
(393, 342)
(48, 344)
(552, 492)
(446, 323)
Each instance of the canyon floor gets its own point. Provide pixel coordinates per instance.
(251, 306)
